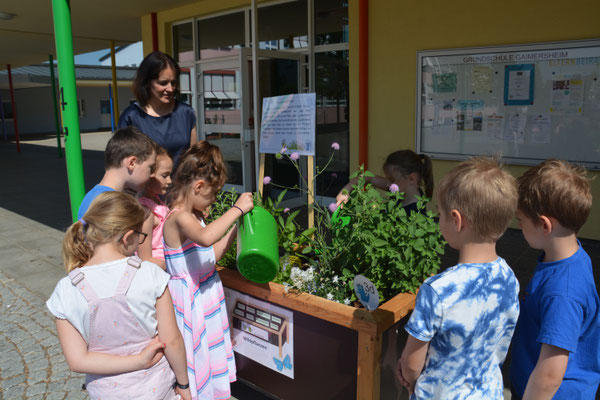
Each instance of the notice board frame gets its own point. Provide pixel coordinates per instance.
(567, 60)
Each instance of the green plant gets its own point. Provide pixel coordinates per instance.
(225, 200)
(395, 250)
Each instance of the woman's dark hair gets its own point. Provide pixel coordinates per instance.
(405, 162)
(149, 69)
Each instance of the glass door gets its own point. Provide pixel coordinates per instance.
(220, 118)
(280, 73)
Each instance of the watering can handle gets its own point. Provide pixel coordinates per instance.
(248, 223)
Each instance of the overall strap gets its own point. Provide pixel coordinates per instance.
(133, 264)
(78, 280)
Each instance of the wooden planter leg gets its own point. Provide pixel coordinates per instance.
(369, 367)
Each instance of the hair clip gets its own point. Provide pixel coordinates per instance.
(82, 222)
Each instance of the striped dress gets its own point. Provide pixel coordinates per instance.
(201, 315)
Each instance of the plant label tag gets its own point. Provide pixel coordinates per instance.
(366, 292)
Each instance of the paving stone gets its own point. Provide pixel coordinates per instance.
(8, 383)
(38, 388)
(14, 392)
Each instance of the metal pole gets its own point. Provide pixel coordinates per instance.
(112, 111)
(114, 81)
(154, 20)
(55, 108)
(255, 93)
(68, 96)
(14, 108)
(2, 116)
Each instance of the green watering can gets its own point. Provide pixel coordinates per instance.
(335, 218)
(257, 247)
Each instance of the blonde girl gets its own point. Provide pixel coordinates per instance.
(111, 306)
(192, 249)
(151, 197)
(404, 171)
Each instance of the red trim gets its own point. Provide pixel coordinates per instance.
(154, 32)
(14, 108)
(363, 83)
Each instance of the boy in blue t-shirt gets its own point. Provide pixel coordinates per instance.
(556, 348)
(464, 318)
(128, 160)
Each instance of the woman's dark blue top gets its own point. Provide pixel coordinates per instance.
(171, 131)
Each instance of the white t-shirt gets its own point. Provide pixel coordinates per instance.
(149, 283)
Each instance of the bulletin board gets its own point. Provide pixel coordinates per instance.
(523, 103)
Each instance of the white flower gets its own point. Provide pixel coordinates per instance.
(347, 301)
(336, 279)
(286, 287)
(329, 296)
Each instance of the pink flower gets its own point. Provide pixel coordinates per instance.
(334, 175)
(335, 145)
(287, 210)
(394, 188)
(266, 180)
(283, 150)
(332, 207)
(294, 156)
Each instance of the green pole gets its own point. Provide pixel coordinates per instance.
(68, 102)
(55, 105)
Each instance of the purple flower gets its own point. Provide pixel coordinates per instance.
(287, 210)
(394, 188)
(335, 145)
(266, 180)
(332, 207)
(334, 175)
(283, 150)
(294, 156)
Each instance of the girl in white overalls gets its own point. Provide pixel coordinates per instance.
(111, 307)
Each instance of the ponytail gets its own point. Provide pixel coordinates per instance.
(109, 217)
(427, 174)
(405, 162)
(76, 251)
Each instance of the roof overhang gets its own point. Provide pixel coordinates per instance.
(28, 38)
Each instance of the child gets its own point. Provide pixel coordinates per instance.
(111, 305)
(556, 348)
(409, 171)
(191, 251)
(463, 320)
(160, 180)
(128, 160)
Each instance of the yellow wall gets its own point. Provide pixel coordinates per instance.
(398, 29)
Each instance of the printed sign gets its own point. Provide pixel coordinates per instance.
(366, 292)
(262, 331)
(288, 121)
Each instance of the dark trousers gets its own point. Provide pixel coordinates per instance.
(514, 394)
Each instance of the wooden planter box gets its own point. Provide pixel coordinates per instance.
(371, 328)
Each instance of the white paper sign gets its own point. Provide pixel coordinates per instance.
(262, 331)
(288, 121)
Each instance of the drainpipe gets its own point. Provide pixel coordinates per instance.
(55, 106)
(363, 83)
(154, 31)
(68, 101)
(14, 107)
(113, 68)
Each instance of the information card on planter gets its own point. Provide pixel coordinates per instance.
(288, 121)
(262, 331)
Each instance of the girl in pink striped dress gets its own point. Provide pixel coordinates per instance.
(192, 249)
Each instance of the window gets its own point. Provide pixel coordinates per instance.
(104, 106)
(81, 111)
(331, 22)
(283, 26)
(183, 42)
(221, 36)
(7, 110)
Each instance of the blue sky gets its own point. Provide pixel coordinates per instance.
(90, 58)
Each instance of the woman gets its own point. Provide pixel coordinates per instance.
(168, 122)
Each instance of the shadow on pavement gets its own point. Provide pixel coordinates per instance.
(35, 182)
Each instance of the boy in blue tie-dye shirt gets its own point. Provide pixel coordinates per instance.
(464, 318)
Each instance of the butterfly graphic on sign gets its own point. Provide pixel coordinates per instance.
(281, 364)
